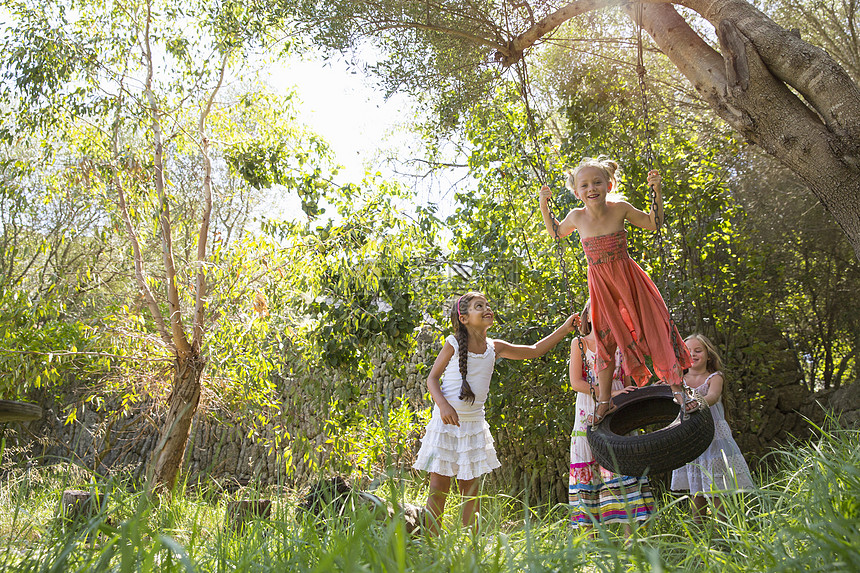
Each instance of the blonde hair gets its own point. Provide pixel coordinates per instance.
(609, 167)
(714, 363)
(585, 319)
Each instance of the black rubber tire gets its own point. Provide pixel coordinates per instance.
(13, 411)
(675, 444)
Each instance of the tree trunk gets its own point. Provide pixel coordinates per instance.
(783, 94)
(182, 403)
(749, 84)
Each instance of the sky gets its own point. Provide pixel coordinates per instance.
(343, 107)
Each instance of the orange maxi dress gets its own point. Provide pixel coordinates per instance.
(628, 312)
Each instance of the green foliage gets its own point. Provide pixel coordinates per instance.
(41, 348)
(269, 149)
(42, 59)
(366, 447)
(361, 281)
(448, 72)
(243, 367)
(810, 271)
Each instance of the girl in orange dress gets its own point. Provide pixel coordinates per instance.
(628, 311)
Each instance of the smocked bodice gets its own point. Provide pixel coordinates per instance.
(606, 248)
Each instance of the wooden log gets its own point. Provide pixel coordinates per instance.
(14, 411)
(240, 512)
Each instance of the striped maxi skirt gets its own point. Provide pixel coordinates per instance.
(596, 495)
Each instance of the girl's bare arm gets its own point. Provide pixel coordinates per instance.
(576, 380)
(448, 413)
(715, 390)
(541, 347)
(649, 220)
(556, 229)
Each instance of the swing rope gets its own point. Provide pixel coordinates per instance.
(540, 174)
(650, 159)
(646, 123)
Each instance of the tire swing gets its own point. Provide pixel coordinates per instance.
(618, 443)
(615, 448)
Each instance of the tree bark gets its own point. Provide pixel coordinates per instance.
(182, 404)
(750, 86)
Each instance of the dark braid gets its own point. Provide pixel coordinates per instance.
(462, 336)
(466, 393)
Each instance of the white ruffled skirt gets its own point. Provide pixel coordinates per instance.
(465, 451)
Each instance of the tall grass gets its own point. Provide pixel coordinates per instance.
(804, 516)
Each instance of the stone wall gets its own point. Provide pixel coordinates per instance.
(217, 450)
(103, 442)
(767, 403)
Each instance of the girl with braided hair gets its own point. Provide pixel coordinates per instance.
(457, 442)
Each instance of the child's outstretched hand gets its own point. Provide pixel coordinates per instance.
(573, 322)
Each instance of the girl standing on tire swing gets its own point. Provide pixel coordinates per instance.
(457, 442)
(617, 285)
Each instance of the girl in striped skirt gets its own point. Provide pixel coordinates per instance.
(596, 495)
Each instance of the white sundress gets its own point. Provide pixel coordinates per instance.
(465, 451)
(722, 466)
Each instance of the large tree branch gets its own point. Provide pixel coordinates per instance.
(694, 58)
(513, 52)
(769, 115)
(820, 80)
(203, 235)
(180, 341)
(806, 68)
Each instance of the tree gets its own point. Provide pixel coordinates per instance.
(811, 273)
(139, 109)
(778, 91)
(832, 25)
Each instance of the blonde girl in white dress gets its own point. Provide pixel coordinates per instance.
(722, 466)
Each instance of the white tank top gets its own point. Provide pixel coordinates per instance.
(479, 371)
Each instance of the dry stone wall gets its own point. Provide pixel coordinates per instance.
(220, 451)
